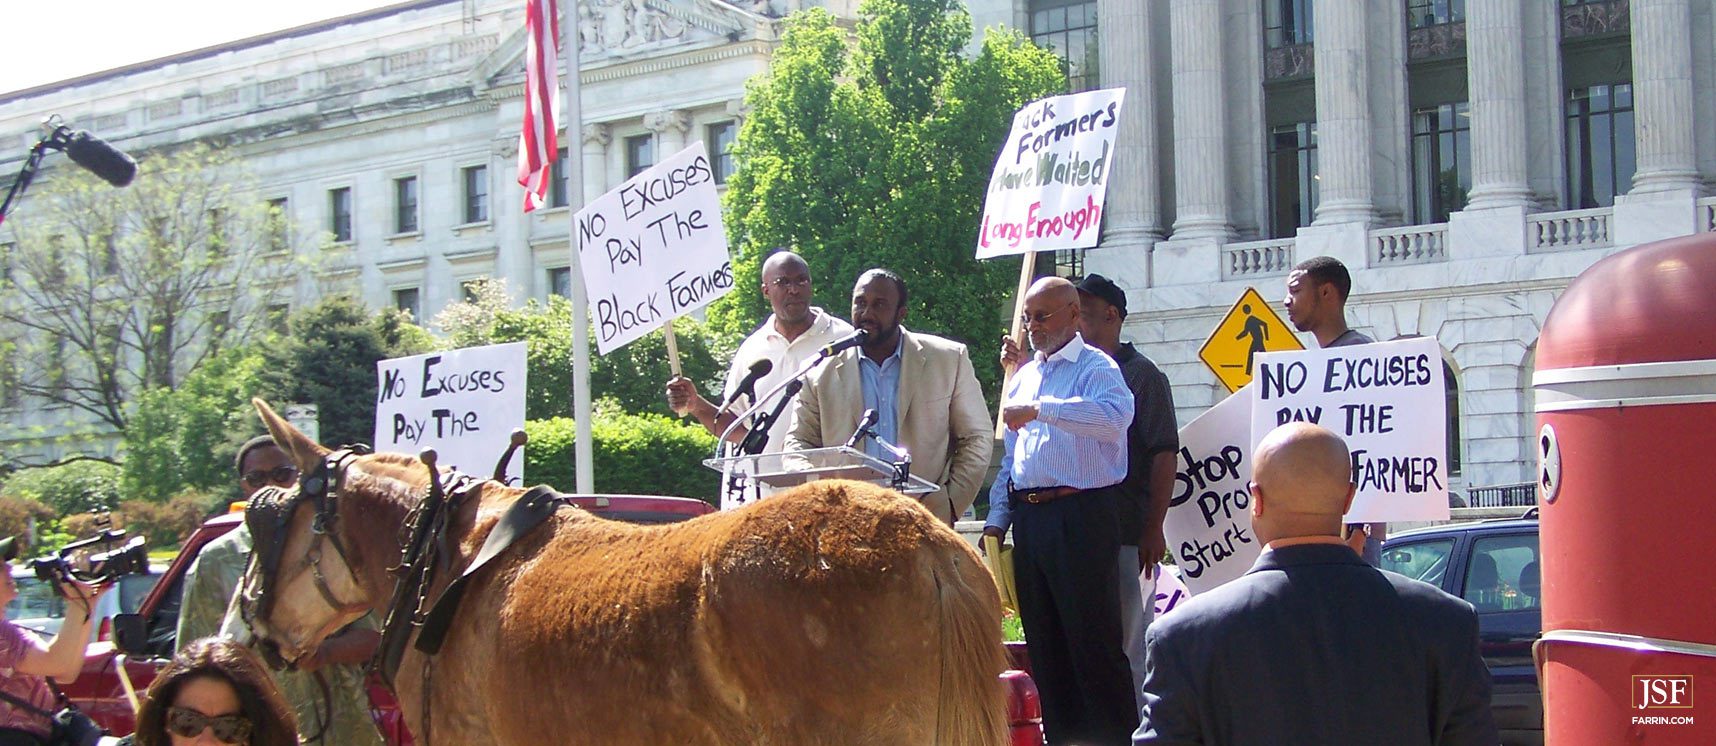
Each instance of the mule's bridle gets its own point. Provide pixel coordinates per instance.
(268, 516)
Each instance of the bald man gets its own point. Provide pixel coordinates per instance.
(1066, 412)
(794, 333)
(1313, 645)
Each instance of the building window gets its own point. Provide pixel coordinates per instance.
(110, 255)
(1069, 30)
(407, 300)
(1287, 23)
(476, 194)
(215, 224)
(1600, 157)
(1422, 13)
(557, 181)
(9, 394)
(721, 136)
(6, 251)
(640, 154)
(277, 224)
(560, 281)
(277, 316)
(1441, 160)
(57, 367)
(1452, 384)
(1292, 177)
(340, 213)
(405, 204)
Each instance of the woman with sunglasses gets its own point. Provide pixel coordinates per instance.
(215, 692)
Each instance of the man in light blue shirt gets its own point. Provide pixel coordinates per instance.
(1066, 412)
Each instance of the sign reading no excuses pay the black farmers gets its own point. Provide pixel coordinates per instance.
(654, 249)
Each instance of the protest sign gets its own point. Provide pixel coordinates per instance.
(1208, 526)
(463, 403)
(654, 249)
(1166, 586)
(1387, 401)
(1051, 179)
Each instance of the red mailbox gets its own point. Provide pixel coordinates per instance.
(1626, 400)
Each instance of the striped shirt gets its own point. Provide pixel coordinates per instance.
(1079, 436)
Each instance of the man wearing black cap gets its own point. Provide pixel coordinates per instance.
(1151, 442)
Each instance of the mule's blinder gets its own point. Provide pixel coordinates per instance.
(269, 513)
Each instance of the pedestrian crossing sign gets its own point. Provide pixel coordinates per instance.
(1249, 328)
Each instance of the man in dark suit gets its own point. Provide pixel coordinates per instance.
(1313, 646)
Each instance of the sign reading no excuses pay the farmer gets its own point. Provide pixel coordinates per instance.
(1051, 178)
(654, 249)
(463, 403)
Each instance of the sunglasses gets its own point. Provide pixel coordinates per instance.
(1042, 318)
(186, 723)
(280, 475)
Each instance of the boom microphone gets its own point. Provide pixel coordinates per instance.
(856, 338)
(100, 158)
(747, 385)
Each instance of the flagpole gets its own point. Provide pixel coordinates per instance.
(573, 116)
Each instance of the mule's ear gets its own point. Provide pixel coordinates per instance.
(305, 453)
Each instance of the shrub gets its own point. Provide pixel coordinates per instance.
(15, 515)
(639, 454)
(77, 487)
(167, 524)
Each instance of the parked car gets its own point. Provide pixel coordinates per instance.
(149, 634)
(38, 607)
(1494, 565)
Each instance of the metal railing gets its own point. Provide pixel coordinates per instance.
(1411, 244)
(1568, 229)
(1522, 495)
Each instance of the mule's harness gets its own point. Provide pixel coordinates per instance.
(425, 550)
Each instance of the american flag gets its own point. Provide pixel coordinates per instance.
(537, 144)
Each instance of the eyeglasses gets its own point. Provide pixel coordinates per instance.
(186, 723)
(790, 282)
(1027, 319)
(281, 475)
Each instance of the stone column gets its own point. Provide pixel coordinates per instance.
(1662, 96)
(1134, 195)
(1343, 114)
(595, 139)
(1200, 118)
(1495, 80)
(670, 128)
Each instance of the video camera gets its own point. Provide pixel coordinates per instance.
(75, 561)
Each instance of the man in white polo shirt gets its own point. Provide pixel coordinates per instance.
(792, 335)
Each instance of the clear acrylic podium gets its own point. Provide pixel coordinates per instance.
(780, 471)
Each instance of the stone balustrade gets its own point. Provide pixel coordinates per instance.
(1272, 256)
(1412, 244)
(1569, 229)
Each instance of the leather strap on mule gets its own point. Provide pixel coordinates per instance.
(527, 513)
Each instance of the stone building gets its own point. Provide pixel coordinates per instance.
(1464, 159)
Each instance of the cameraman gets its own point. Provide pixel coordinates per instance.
(26, 662)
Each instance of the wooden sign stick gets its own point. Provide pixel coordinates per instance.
(672, 348)
(1027, 273)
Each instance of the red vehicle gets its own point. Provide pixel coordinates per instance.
(148, 635)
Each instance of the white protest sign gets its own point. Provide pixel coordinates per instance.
(1051, 178)
(654, 249)
(463, 403)
(1387, 401)
(1208, 526)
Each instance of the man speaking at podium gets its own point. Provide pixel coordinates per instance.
(924, 391)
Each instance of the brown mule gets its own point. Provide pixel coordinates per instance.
(835, 613)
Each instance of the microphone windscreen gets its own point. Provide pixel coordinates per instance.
(106, 161)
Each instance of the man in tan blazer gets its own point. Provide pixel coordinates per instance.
(922, 386)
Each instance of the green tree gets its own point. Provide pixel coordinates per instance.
(67, 489)
(328, 359)
(186, 438)
(877, 153)
(110, 292)
(632, 377)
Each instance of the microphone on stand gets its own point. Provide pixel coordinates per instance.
(758, 437)
(856, 338)
(747, 385)
(864, 424)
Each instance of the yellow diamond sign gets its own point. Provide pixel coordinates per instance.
(1249, 328)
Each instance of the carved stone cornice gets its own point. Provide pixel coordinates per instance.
(662, 122)
(597, 134)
